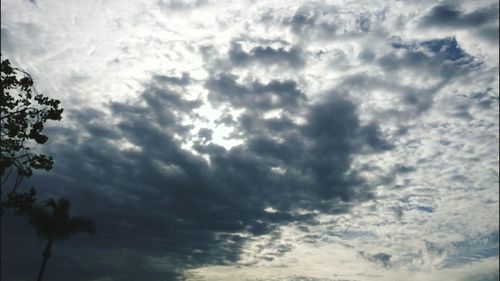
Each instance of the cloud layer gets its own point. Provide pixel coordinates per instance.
(245, 141)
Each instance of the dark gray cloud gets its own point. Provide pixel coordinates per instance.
(382, 259)
(483, 21)
(490, 33)
(445, 49)
(309, 20)
(273, 95)
(441, 58)
(484, 99)
(294, 57)
(160, 204)
(454, 17)
(317, 154)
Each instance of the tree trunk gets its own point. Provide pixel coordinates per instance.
(46, 256)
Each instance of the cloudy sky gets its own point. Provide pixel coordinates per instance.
(265, 140)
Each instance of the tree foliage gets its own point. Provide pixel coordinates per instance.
(52, 222)
(23, 114)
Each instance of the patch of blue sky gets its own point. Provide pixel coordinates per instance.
(473, 250)
(448, 48)
(425, 209)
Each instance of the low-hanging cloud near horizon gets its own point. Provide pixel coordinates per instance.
(265, 141)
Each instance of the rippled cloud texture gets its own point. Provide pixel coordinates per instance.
(265, 140)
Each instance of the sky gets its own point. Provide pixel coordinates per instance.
(264, 140)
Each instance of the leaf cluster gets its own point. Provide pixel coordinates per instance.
(23, 115)
(51, 220)
(18, 201)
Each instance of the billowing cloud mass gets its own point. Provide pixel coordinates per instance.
(265, 140)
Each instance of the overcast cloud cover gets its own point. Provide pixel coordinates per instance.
(265, 140)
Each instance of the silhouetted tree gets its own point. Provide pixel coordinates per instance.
(52, 222)
(23, 115)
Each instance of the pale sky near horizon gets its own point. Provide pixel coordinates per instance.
(265, 140)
